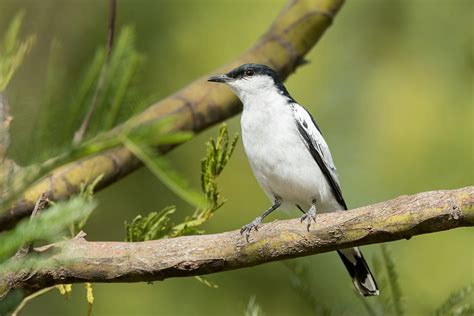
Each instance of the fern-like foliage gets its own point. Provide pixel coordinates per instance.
(459, 303)
(48, 226)
(218, 154)
(12, 53)
(160, 167)
(299, 280)
(87, 194)
(106, 83)
(12, 50)
(390, 301)
(396, 301)
(61, 112)
(157, 225)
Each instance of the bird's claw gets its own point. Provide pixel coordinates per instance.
(248, 228)
(308, 216)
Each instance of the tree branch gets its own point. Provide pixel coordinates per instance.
(196, 107)
(78, 260)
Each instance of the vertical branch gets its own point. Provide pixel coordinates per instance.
(5, 120)
(41, 204)
(7, 166)
(79, 135)
(111, 32)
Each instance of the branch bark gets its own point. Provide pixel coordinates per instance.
(78, 260)
(198, 106)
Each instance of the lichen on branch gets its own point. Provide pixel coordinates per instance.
(78, 260)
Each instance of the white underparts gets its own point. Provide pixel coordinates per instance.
(276, 151)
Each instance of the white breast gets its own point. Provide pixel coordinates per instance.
(278, 156)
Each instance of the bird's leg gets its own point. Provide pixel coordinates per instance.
(310, 215)
(254, 224)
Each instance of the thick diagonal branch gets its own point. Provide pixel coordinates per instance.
(78, 260)
(198, 106)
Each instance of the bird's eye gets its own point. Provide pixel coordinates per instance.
(249, 72)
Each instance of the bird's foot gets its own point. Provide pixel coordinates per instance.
(308, 216)
(248, 228)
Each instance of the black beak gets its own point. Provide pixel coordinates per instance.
(219, 78)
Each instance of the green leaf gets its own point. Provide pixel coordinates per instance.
(12, 51)
(299, 281)
(162, 170)
(392, 277)
(49, 225)
(156, 226)
(84, 93)
(451, 306)
(87, 193)
(125, 62)
(156, 133)
(218, 154)
(464, 310)
(153, 226)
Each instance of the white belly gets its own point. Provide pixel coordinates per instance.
(280, 160)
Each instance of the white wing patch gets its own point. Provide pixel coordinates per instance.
(305, 120)
(318, 148)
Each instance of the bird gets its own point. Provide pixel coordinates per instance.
(289, 157)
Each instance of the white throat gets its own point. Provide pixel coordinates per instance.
(258, 93)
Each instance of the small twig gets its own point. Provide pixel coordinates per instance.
(5, 120)
(29, 298)
(111, 33)
(80, 235)
(41, 204)
(79, 135)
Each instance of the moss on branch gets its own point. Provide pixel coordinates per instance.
(78, 260)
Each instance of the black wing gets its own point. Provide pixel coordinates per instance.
(318, 148)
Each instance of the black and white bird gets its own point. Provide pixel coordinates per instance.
(289, 157)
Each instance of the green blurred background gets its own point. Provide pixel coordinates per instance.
(390, 84)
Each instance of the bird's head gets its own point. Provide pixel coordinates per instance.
(252, 80)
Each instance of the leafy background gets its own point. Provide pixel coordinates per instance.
(390, 84)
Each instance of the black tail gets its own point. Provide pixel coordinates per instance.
(362, 278)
